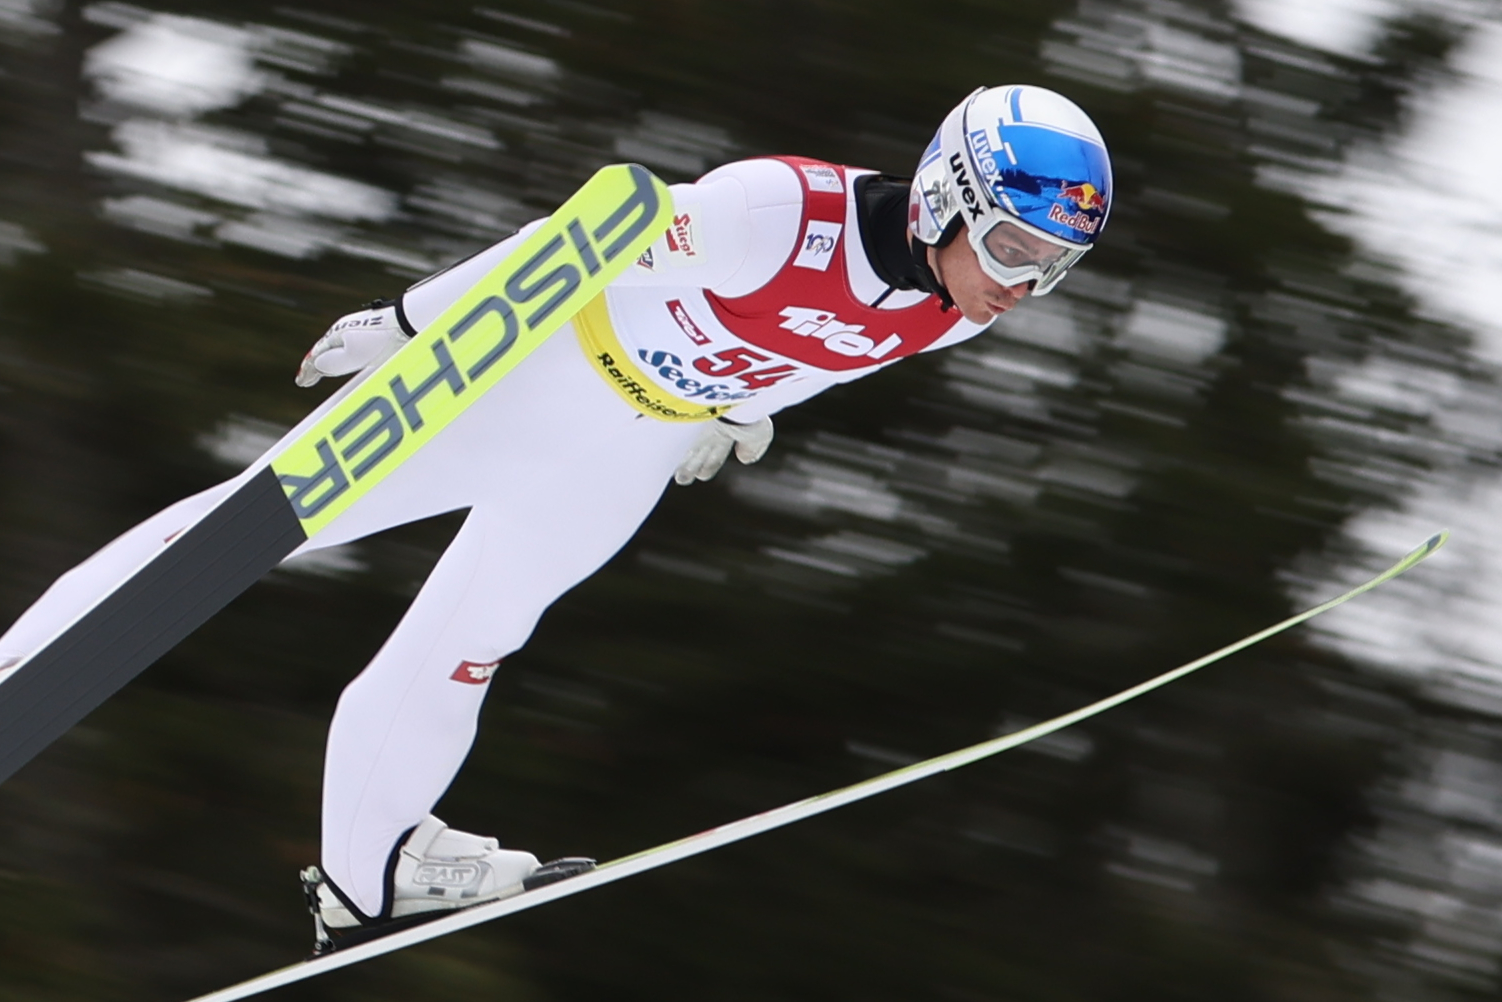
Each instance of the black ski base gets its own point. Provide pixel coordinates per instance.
(245, 536)
(338, 939)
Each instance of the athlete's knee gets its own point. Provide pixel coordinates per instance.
(392, 682)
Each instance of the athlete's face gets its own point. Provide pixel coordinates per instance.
(979, 296)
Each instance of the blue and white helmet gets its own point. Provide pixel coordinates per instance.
(1027, 172)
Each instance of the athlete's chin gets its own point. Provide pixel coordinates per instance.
(983, 313)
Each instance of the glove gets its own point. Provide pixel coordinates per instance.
(712, 448)
(354, 342)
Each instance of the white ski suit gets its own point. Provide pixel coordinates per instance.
(759, 296)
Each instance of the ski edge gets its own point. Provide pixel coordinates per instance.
(756, 824)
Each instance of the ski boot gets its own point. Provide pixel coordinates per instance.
(437, 870)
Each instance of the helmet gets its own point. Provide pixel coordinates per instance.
(1027, 171)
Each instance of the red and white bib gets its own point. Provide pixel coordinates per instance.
(680, 350)
(808, 312)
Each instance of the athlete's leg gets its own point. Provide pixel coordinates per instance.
(82, 587)
(77, 590)
(421, 491)
(556, 500)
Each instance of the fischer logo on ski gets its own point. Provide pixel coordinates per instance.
(480, 338)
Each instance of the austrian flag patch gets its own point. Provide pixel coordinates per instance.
(475, 674)
(686, 322)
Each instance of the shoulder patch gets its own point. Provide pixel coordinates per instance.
(817, 248)
(683, 237)
(822, 178)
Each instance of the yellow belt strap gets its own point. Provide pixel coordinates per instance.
(610, 360)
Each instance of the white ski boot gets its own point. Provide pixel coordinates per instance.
(437, 869)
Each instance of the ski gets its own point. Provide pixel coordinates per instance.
(735, 831)
(334, 457)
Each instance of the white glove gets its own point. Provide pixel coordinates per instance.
(712, 448)
(354, 342)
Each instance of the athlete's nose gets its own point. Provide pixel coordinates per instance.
(1007, 296)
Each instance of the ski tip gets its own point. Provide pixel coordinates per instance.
(1434, 542)
(1420, 553)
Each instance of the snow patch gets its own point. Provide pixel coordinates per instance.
(239, 440)
(178, 66)
(228, 167)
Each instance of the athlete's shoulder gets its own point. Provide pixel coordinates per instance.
(767, 182)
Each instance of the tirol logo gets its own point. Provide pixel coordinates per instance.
(452, 361)
(1090, 203)
(967, 190)
(686, 322)
(474, 673)
(838, 336)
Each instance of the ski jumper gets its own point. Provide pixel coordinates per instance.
(759, 296)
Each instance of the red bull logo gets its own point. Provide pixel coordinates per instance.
(1086, 196)
(1090, 204)
(1082, 221)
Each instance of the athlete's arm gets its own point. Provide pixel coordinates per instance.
(732, 230)
(425, 302)
(356, 341)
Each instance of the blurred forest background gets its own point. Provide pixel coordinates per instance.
(1276, 374)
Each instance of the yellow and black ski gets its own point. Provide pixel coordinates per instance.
(361, 437)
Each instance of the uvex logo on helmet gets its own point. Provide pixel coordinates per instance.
(967, 191)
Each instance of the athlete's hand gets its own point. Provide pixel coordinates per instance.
(712, 448)
(354, 342)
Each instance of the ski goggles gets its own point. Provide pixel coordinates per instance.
(1012, 252)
